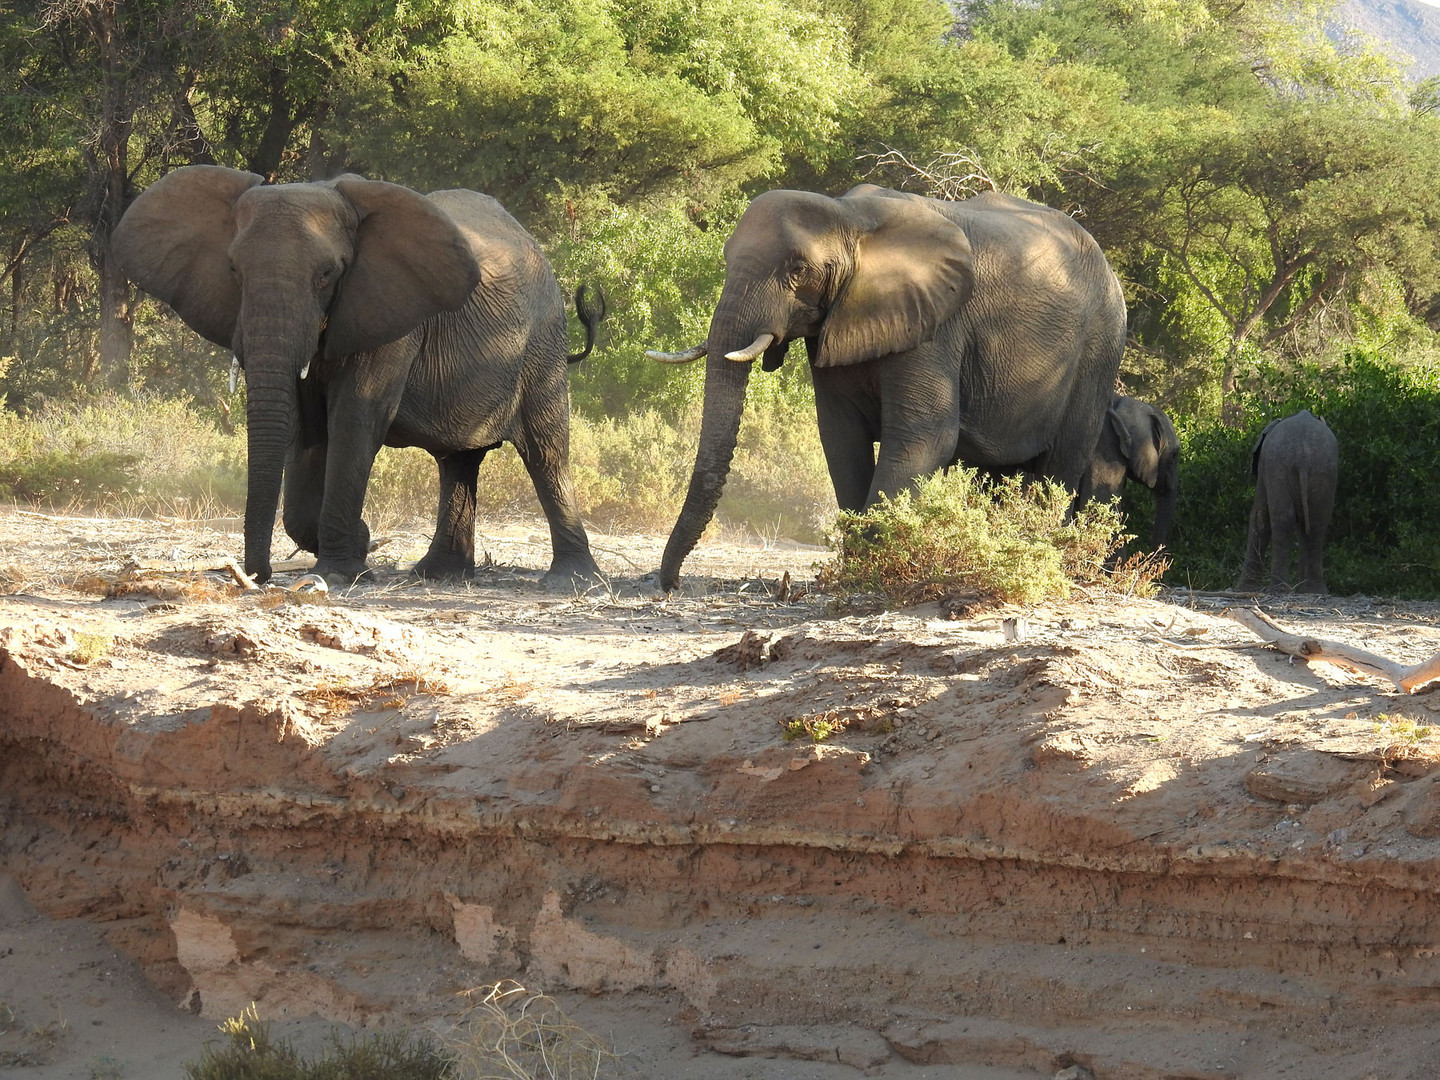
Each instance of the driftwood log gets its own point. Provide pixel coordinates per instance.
(1335, 652)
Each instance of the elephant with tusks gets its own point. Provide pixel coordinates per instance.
(367, 314)
(986, 331)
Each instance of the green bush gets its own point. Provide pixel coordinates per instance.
(1386, 419)
(960, 532)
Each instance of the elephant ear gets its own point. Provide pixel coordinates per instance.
(912, 270)
(1122, 435)
(411, 262)
(174, 243)
(1255, 453)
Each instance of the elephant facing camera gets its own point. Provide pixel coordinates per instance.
(1137, 442)
(366, 314)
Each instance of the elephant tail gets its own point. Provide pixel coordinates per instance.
(590, 318)
(1304, 475)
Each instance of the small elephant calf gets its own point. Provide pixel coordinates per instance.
(1137, 442)
(1296, 462)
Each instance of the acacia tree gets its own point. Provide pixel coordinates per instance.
(1271, 219)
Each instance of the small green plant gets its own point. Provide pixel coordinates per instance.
(105, 1067)
(956, 532)
(815, 728)
(91, 646)
(250, 1053)
(1400, 734)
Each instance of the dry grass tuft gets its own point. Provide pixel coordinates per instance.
(91, 646)
(393, 690)
(513, 1033)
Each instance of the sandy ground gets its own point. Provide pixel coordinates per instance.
(733, 831)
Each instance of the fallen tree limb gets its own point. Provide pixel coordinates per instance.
(1335, 652)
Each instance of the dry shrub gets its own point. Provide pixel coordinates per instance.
(958, 532)
(513, 1033)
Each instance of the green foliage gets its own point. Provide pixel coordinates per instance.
(960, 532)
(662, 276)
(249, 1052)
(815, 728)
(1387, 421)
(70, 478)
(122, 453)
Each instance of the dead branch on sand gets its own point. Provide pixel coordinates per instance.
(1310, 649)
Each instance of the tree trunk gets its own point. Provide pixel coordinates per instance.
(110, 182)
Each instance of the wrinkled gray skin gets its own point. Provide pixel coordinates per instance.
(1137, 442)
(364, 314)
(1296, 462)
(987, 331)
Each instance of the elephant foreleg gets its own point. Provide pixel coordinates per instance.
(847, 435)
(452, 550)
(304, 494)
(919, 426)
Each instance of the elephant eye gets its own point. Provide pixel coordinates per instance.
(326, 275)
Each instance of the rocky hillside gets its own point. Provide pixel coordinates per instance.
(1410, 26)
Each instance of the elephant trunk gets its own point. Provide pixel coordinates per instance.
(272, 419)
(1165, 493)
(725, 383)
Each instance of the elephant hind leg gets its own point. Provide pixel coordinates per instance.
(1256, 544)
(545, 450)
(452, 550)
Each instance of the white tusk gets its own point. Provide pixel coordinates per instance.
(692, 353)
(754, 349)
(234, 372)
(305, 370)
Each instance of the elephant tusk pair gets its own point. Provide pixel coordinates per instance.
(692, 353)
(750, 352)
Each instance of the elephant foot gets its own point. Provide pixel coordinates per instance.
(443, 568)
(341, 571)
(572, 574)
(1316, 587)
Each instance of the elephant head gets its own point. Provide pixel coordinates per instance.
(287, 274)
(1139, 442)
(858, 278)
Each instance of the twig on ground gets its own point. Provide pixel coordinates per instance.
(1406, 679)
(244, 580)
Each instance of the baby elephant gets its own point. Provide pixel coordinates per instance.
(1296, 462)
(1137, 442)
